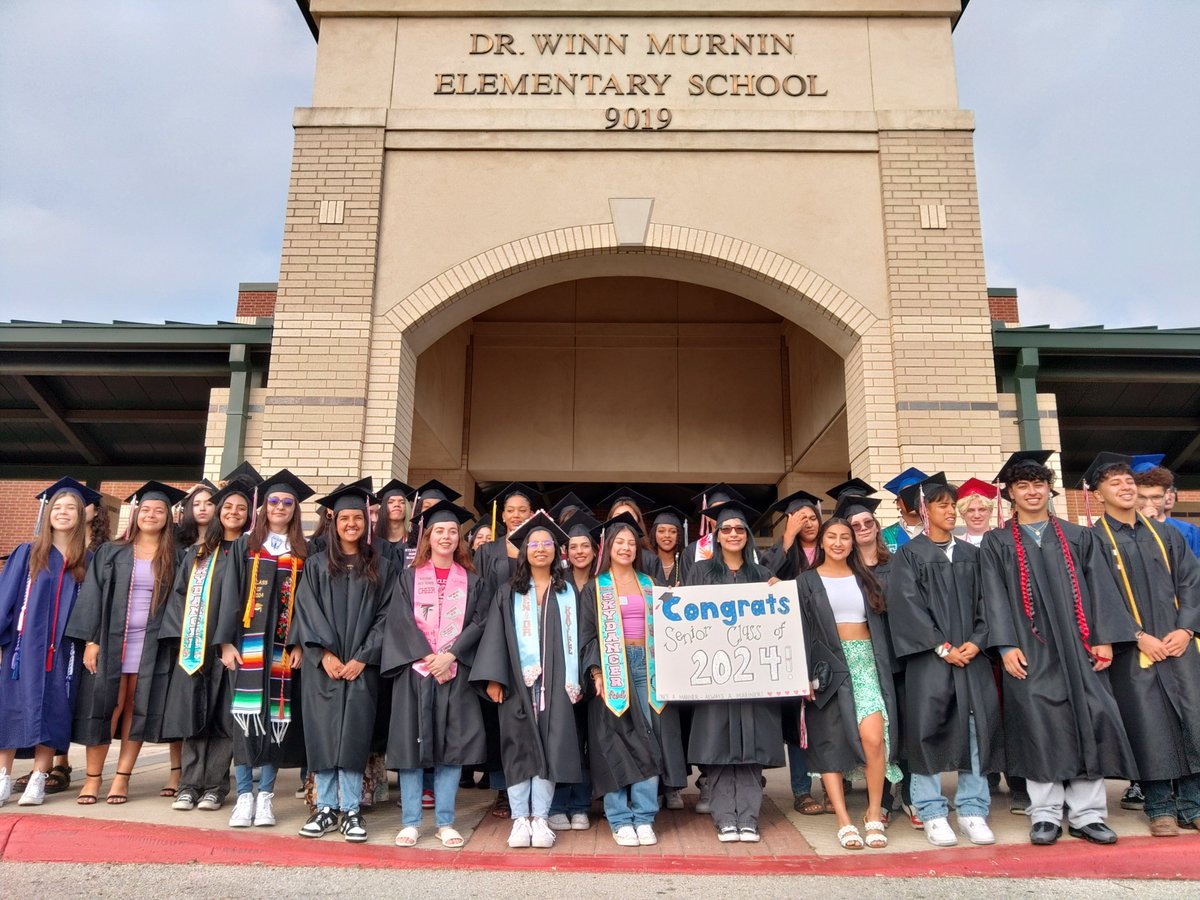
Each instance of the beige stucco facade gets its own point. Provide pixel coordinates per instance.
(773, 275)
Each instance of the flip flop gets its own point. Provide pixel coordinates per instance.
(450, 838)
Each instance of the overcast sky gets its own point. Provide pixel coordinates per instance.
(145, 148)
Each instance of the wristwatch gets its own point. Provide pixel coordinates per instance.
(944, 650)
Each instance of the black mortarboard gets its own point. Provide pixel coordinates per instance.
(850, 505)
(284, 482)
(731, 509)
(1027, 457)
(445, 511)
(395, 486)
(202, 485)
(156, 490)
(566, 504)
(539, 520)
(352, 496)
(620, 520)
(667, 515)
(435, 490)
(482, 523)
(716, 494)
(910, 496)
(246, 472)
(855, 486)
(581, 524)
(233, 486)
(795, 502)
(85, 493)
(523, 490)
(1104, 460)
(641, 501)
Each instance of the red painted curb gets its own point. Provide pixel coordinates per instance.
(25, 838)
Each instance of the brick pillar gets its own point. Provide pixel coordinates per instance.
(315, 405)
(939, 306)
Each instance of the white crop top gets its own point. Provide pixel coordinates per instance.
(845, 599)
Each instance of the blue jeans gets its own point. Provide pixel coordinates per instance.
(244, 775)
(973, 798)
(635, 804)
(573, 798)
(1185, 804)
(333, 784)
(532, 797)
(445, 790)
(802, 782)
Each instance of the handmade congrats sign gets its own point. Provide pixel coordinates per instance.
(729, 642)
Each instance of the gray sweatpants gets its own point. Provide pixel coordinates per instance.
(205, 762)
(736, 793)
(1085, 799)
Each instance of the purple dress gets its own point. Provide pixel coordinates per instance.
(140, 595)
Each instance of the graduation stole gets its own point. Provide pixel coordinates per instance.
(195, 615)
(15, 667)
(1143, 660)
(531, 648)
(613, 664)
(439, 618)
(704, 547)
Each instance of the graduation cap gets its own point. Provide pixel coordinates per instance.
(284, 482)
(482, 523)
(85, 493)
(353, 496)
(668, 515)
(1101, 464)
(238, 486)
(640, 500)
(853, 487)
(731, 509)
(622, 519)
(572, 500)
(1144, 462)
(581, 524)
(445, 511)
(246, 472)
(540, 520)
(1022, 457)
(395, 486)
(156, 490)
(202, 485)
(716, 494)
(434, 490)
(911, 495)
(519, 490)
(795, 502)
(850, 505)
(905, 479)
(973, 487)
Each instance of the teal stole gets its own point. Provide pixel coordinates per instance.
(614, 666)
(195, 614)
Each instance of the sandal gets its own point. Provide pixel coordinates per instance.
(407, 836)
(167, 790)
(117, 799)
(502, 810)
(450, 838)
(876, 837)
(807, 805)
(89, 799)
(23, 782)
(849, 838)
(827, 806)
(58, 779)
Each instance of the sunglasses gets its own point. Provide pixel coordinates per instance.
(732, 529)
(285, 502)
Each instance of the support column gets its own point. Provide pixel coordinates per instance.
(1025, 378)
(237, 410)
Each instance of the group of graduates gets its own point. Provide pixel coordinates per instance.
(395, 639)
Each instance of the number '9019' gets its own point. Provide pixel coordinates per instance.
(637, 119)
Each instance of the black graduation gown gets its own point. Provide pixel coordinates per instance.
(344, 614)
(494, 565)
(834, 744)
(1061, 721)
(195, 705)
(931, 601)
(99, 617)
(659, 576)
(625, 750)
(734, 732)
(257, 749)
(1160, 705)
(786, 565)
(431, 723)
(546, 746)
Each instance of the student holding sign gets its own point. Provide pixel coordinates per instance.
(734, 739)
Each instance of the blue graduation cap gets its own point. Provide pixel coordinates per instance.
(1144, 462)
(86, 494)
(907, 478)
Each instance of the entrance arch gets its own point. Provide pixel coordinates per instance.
(408, 326)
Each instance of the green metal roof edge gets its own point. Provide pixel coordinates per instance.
(1096, 339)
(100, 335)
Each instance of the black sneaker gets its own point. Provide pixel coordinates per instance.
(353, 829)
(1133, 798)
(320, 823)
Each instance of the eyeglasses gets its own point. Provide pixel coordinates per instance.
(285, 502)
(540, 545)
(732, 529)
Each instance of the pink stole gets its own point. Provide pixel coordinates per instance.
(440, 619)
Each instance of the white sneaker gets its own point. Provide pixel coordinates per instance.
(243, 812)
(5, 786)
(646, 835)
(975, 829)
(35, 790)
(559, 822)
(626, 836)
(542, 836)
(521, 834)
(580, 822)
(939, 832)
(263, 813)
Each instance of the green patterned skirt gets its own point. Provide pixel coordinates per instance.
(868, 699)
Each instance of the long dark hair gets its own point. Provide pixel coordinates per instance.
(870, 584)
(188, 531)
(522, 576)
(364, 563)
(100, 529)
(606, 553)
(719, 572)
(214, 534)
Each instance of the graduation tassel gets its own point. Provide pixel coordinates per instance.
(133, 508)
(703, 518)
(493, 520)
(923, 511)
(254, 508)
(999, 511)
(1087, 505)
(599, 554)
(37, 526)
